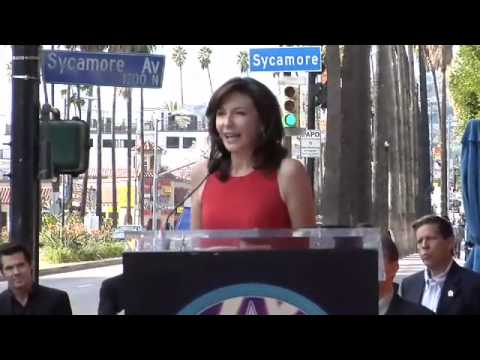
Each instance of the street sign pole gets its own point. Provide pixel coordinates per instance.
(24, 180)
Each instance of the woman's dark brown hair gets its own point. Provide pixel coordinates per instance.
(269, 152)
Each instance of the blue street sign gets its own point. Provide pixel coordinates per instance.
(103, 69)
(286, 59)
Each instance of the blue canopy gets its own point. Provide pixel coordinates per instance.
(471, 189)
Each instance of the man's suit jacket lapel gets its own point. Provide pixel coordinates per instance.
(417, 288)
(450, 290)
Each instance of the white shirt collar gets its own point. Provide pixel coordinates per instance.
(440, 278)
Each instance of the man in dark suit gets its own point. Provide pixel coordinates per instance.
(390, 303)
(444, 287)
(111, 296)
(23, 296)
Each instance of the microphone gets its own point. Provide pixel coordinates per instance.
(211, 169)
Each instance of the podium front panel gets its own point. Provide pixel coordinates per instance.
(302, 282)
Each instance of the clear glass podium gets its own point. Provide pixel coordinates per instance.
(314, 271)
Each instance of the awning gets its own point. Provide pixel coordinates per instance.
(5, 194)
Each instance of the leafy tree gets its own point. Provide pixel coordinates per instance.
(464, 84)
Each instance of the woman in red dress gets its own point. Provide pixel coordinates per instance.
(248, 182)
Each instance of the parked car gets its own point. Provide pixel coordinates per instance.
(119, 232)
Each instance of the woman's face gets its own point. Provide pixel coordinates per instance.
(237, 122)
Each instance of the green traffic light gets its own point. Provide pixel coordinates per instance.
(290, 120)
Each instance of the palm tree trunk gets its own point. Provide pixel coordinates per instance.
(67, 114)
(99, 159)
(404, 146)
(142, 162)
(330, 200)
(181, 86)
(443, 135)
(85, 176)
(412, 145)
(412, 107)
(210, 79)
(129, 156)
(384, 116)
(434, 75)
(408, 135)
(356, 162)
(424, 192)
(114, 168)
(395, 220)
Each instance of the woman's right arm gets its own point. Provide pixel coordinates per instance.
(198, 174)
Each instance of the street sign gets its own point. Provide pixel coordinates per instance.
(103, 69)
(286, 59)
(310, 144)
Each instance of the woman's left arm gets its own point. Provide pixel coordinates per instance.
(296, 192)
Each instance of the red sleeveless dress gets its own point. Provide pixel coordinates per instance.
(246, 202)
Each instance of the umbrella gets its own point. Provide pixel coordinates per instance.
(471, 189)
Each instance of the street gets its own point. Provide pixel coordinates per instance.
(82, 286)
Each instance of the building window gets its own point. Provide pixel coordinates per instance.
(188, 142)
(107, 143)
(152, 162)
(173, 142)
(125, 143)
(3, 154)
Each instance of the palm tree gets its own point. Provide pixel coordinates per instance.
(127, 94)
(83, 201)
(440, 57)
(89, 90)
(145, 49)
(330, 200)
(204, 58)
(114, 48)
(423, 141)
(242, 61)
(98, 211)
(384, 113)
(179, 56)
(355, 198)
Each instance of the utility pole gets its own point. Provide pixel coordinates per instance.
(24, 180)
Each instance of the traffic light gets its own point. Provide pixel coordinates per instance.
(291, 106)
(64, 147)
(320, 95)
